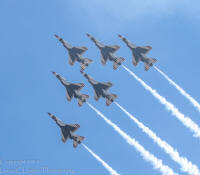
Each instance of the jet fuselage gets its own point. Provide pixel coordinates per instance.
(66, 132)
(75, 56)
(70, 89)
(75, 93)
(106, 53)
(98, 87)
(139, 56)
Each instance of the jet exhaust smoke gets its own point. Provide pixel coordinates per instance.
(186, 166)
(186, 121)
(106, 166)
(185, 94)
(157, 163)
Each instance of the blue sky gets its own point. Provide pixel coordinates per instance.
(29, 52)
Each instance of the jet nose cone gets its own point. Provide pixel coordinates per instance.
(88, 34)
(56, 36)
(119, 35)
(49, 113)
(82, 72)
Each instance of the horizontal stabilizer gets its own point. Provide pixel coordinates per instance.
(86, 62)
(78, 141)
(149, 63)
(83, 99)
(110, 99)
(108, 102)
(114, 48)
(118, 62)
(63, 139)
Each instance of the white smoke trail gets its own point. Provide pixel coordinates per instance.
(185, 94)
(157, 163)
(106, 166)
(188, 122)
(186, 166)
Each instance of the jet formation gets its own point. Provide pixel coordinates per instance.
(67, 131)
(100, 88)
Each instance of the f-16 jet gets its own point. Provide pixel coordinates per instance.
(67, 131)
(75, 53)
(100, 89)
(107, 53)
(73, 90)
(139, 54)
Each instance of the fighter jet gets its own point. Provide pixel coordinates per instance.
(68, 131)
(100, 89)
(75, 53)
(107, 53)
(139, 54)
(73, 90)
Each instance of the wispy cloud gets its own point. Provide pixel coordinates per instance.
(132, 9)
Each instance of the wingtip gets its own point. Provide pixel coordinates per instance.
(85, 47)
(149, 47)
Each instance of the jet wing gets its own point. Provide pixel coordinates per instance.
(64, 139)
(69, 95)
(73, 127)
(75, 144)
(77, 86)
(80, 50)
(144, 49)
(106, 85)
(135, 59)
(114, 48)
(104, 58)
(71, 60)
(97, 95)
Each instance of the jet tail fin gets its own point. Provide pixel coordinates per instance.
(118, 62)
(83, 99)
(85, 63)
(78, 141)
(149, 63)
(110, 99)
